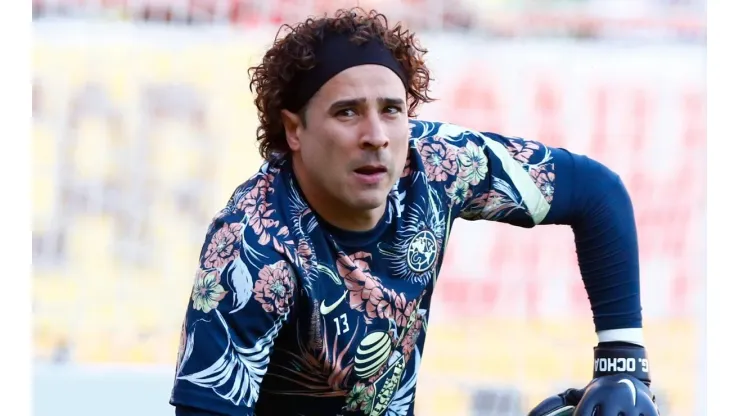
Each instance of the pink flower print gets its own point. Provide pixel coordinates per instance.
(380, 303)
(409, 340)
(522, 150)
(281, 239)
(544, 178)
(207, 290)
(274, 288)
(403, 310)
(222, 248)
(259, 211)
(260, 222)
(257, 195)
(249, 201)
(439, 159)
(365, 292)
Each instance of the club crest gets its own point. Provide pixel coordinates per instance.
(422, 252)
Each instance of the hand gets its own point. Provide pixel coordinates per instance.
(620, 384)
(563, 404)
(617, 395)
(614, 395)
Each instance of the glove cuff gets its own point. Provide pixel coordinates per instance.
(621, 358)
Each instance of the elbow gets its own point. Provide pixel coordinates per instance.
(602, 194)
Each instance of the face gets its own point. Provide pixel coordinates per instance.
(353, 145)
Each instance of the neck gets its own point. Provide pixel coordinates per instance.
(332, 210)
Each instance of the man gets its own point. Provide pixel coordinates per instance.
(315, 281)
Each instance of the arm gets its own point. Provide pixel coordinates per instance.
(487, 176)
(240, 300)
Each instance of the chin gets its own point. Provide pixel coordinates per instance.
(368, 200)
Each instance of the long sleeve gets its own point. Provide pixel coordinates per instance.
(239, 302)
(486, 176)
(595, 203)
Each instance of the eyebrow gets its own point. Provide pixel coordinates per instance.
(354, 102)
(392, 101)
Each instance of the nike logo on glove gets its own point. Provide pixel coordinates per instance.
(633, 390)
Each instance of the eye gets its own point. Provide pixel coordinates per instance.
(347, 112)
(393, 109)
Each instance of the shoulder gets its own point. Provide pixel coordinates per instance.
(434, 139)
(250, 245)
(247, 196)
(440, 149)
(424, 129)
(436, 143)
(254, 215)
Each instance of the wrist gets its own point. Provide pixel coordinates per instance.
(630, 335)
(621, 358)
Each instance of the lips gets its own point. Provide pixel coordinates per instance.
(371, 170)
(370, 175)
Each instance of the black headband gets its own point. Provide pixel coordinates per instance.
(333, 55)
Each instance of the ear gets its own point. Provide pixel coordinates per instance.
(293, 129)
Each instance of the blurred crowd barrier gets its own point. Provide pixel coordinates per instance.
(140, 135)
(676, 19)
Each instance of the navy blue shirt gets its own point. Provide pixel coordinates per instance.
(292, 316)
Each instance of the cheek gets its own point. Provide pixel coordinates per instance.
(318, 145)
(325, 154)
(400, 145)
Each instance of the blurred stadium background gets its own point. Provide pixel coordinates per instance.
(143, 124)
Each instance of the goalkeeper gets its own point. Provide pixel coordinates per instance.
(315, 281)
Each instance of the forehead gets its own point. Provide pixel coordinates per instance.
(363, 81)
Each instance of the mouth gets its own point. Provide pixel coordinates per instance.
(371, 170)
(370, 175)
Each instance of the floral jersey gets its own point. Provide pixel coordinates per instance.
(290, 316)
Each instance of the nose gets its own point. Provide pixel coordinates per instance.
(373, 135)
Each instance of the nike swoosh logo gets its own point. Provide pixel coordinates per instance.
(325, 310)
(633, 390)
(563, 411)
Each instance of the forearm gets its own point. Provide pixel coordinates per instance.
(596, 204)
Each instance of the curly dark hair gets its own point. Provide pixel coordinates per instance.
(294, 52)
